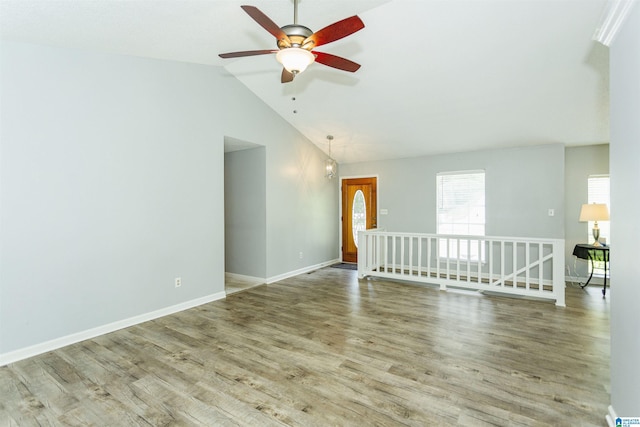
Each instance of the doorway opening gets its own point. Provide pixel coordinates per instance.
(244, 214)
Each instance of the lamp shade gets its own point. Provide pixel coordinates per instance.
(594, 212)
(295, 59)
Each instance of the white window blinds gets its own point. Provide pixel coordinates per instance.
(598, 192)
(460, 198)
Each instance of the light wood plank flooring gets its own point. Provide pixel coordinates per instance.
(325, 349)
(233, 284)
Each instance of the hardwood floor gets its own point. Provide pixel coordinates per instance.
(326, 349)
(233, 283)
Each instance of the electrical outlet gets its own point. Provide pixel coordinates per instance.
(301, 255)
(178, 282)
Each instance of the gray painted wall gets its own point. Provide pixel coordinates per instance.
(580, 162)
(521, 185)
(307, 223)
(112, 185)
(245, 212)
(625, 228)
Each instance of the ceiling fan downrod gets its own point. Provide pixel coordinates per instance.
(296, 34)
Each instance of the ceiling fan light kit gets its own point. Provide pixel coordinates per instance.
(294, 59)
(295, 43)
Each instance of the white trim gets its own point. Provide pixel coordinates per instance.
(611, 416)
(300, 271)
(612, 19)
(343, 177)
(34, 350)
(379, 255)
(461, 172)
(596, 280)
(441, 196)
(242, 277)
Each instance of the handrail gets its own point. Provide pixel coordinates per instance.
(511, 265)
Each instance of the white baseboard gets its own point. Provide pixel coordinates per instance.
(301, 271)
(243, 278)
(595, 280)
(575, 279)
(610, 417)
(34, 350)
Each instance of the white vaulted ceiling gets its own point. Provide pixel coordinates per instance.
(437, 75)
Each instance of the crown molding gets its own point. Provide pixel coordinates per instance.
(612, 19)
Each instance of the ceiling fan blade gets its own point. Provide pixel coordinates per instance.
(265, 22)
(335, 31)
(246, 53)
(336, 62)
(286, 76)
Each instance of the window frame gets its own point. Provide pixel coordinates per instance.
(599, 198)
(595, 195)
(451, 252)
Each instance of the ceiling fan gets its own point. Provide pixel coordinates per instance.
(296, 43)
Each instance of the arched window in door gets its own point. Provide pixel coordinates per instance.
(358, 215)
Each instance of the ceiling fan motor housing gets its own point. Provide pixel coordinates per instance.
(297, 35)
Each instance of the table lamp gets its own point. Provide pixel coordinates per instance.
(594, 212)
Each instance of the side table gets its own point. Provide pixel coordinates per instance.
(593, 253)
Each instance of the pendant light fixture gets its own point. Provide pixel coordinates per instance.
(331, 168)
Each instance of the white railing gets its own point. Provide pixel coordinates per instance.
(510, 265)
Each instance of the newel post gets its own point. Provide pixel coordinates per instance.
(558, 272)
(362, 253)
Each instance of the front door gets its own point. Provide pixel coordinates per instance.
(359, 212)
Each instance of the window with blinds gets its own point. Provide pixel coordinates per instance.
(461, 211)
(598, 192)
